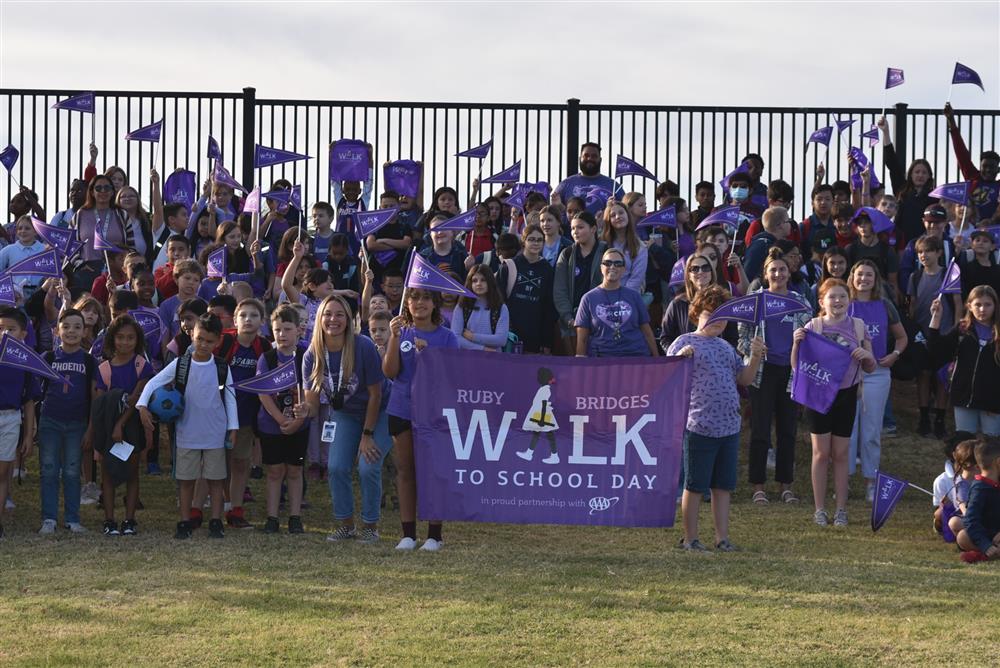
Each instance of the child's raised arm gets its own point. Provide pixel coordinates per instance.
(288, 278)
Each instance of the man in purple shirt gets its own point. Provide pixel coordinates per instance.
(590, 185)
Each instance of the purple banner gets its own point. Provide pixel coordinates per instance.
(349, 160)
(966, 75)
(252, 202)
(744, 309)
(952, 192)
(45, 263)
(151, 326)
(677, 272)
(264, 156)
(628, 167)
(16, 354)
(777, 306)
(7, 290)
(181, 187)
(277, 380)
(60, 238)
(214, 150)
(820, 366)
(84, 102)
(9, 156)
(403, 176)
(370, 222)
(860, 162)
(724, 215)
(888, 491)
(843, 125)
(479, 152)
(528, 439)
(102, 244)
(871, 136)
(744, 168)
(423, 275)
(510, 175)
(821, 136)
(463, 222)
(148, 133)
(893, 77)
(665, 217)
(222, 176)
(217, 262)
(952, 284)
(880, 221)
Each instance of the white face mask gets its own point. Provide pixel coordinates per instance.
(740, 193)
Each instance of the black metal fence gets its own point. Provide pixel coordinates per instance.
(684, 144)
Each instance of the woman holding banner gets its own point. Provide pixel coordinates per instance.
(419, 326)
(869, 303)
(831, 430)
(612, 320)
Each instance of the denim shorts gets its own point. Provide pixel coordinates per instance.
(710, 463)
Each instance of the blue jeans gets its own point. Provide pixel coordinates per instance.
(340, 464)
(59, 448)
(974, 421)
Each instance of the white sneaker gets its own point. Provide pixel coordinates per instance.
(551, 459)
(89, 493)
(870, 492)
(48, 528)
(431, 545)
(526, 455)
(407, 544)
(10, 504)
(76, 527)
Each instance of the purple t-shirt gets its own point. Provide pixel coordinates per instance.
(878, 315)
(285, 400)
(613, 318)
(168, 314)
(399, 400)
(244, 366)
(367, 371)
(714, 408)
(124, 377)
(68, 403)
(13, 392)
(778, 338)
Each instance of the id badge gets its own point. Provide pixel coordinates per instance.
(329, 431)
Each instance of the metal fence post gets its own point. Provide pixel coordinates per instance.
(899, 131)
(249, 134)
(572, 136)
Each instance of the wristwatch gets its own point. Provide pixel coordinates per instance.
(368, 432)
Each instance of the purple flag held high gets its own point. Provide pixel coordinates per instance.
(880, 222)
(463, 222)
(403, 176)
(860, 162)
(843, 125)
(628, 167)
(665, 217)
(16, 354)
(349, 159)
(279, 379)
(744, 309)
(871, 136)
(966, 75)
(528, 439)
(217, 262)
(952, 192)
(724, 215)
(7, 290)
(222, 176)
(264, 156)
(523, 189)
(893, 77)
(952, 283)
(151, 325)
(744, 168)
(510, 175)
(776, 306)
(181, 187)
(147, 133)
(84, 102)
(517, 198)
(677, 272)
(425, 276)
(214, 150)
(295, 197)
(370, 222)
(45, 263)
(252, 202)
(821, 136)
(59, 238)
(888, 492)
(479, 152)
(819, 369)
(9, 156)
(281, 196)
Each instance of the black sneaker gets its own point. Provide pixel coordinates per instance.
(215, 529)
(272, 525)
(924, 426)
(295, 525)
(111, 528)
(256, 473)
(183, 531)
(129, 528)
(939, 430)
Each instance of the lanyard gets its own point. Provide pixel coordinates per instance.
(340, 374)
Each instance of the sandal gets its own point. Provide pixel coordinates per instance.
(788, 496)
(760, 498)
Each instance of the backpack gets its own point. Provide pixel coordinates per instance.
(104, 369)
(90, 367)
(230, 345)
(183, 369)
(271, 357)
(467, 312)
(511, 276)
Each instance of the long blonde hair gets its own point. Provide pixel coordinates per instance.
(318, 347)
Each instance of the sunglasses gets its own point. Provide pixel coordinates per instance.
(534, 240)
(700, 268)
(613, 264)
(103, 189)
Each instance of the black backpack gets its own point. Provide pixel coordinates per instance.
(183, 369)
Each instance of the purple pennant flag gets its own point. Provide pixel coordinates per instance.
(479, 152)
(744, 309)
(871, 136)
(151, 326)
(522, 190)
(880, 222)
(7, 290)
(510, 175)
(102, 244)
(148, 133)
(57, 237)
(403, 176)
(222, 176)
(952, 192)
(15, 354)
(843, 125)
(425, 276)
(724, 215)
(777, 306)
(677, 272)
(860, 162)
(821, 136)
(217, 262)
(463, 222)
(282, 377)
(893, 77)
(181, 187)
(628, 167)
(45, 263)
(349, 160)
(517, 198)
(966, 75)
(888, 492)
(384, 257)
(9, 156)
(264, 156)
(84, 102)
(214, 151)
(370, 222)
(820, 367)
(281, 196)
(665, 217)
(952, 284)
(295, 197)
(252, 202)
(743, 168)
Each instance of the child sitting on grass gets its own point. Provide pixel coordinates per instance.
(980, 539)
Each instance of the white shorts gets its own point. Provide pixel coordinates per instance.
(10, 430)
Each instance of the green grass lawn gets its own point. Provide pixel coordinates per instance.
(500, 594)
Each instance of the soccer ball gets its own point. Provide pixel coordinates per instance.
(166, 404)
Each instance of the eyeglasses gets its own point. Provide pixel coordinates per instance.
(700, 268)
(535, 240)
(613, 264)
(103, 189)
